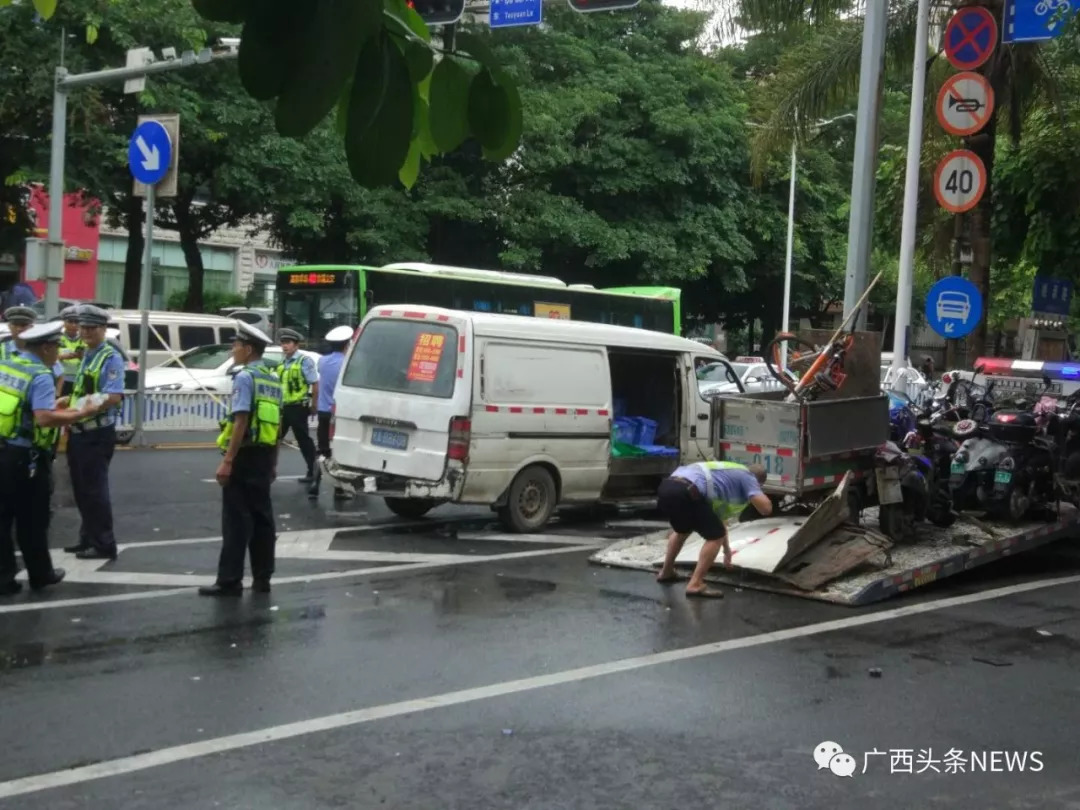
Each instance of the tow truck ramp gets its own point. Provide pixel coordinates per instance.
(824, 557)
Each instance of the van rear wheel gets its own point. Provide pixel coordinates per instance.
(410, 507)
(531, 500)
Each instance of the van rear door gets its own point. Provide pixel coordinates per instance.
(403, 382)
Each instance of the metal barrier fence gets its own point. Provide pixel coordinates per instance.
(175, 411)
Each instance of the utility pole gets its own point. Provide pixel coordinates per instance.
(134, 76)
(861, 220)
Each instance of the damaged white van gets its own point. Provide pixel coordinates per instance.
(523, 414)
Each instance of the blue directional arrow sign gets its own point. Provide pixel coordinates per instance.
(149, 153)
(511, 13)
(954, 307)
(1036, 20)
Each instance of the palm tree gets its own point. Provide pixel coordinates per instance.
(820, 75)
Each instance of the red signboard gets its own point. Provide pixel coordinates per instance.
(427, 351)
(81, 232)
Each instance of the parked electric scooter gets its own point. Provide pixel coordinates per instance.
(1024, 477)
(971, 473)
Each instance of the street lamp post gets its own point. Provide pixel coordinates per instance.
(54, 267)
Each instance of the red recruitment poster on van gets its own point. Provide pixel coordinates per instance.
(427, 351)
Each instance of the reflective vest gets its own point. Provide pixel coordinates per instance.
(265, 412)
(295, 387)
(7, 348)
(725, 510)
(16, 418)
(88, 380)
(67, 346)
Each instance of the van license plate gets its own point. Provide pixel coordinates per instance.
(394, 439)
(1002, 477)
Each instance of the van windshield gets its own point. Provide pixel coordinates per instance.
(405, 357)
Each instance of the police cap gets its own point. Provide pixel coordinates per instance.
(290, 334)
(42, 333)
(251, 335)
(339, 334)
(70, 313)
(89, 315)
(20, 316)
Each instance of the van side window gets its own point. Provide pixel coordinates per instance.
(194, 336)
(152, 342)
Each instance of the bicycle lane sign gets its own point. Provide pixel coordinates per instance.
(954, 307)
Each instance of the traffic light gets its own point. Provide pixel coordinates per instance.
(438, 12)
(585, 6)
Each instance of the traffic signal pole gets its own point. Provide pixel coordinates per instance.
(54, 266)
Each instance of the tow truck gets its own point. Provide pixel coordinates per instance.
(818, 456)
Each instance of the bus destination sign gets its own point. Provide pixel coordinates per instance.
(312, 279)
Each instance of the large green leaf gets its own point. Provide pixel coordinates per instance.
(419, 57)
(514, 120)
(422, 127)
(341, 115)
(449, 97)
(489, 111)
(226, 11)
(46, 8)
(406, 18)
(410, 169)
(380, 116)
(324, 58)
(266, 45)
(477, 48)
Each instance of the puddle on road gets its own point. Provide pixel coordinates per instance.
(221, 639)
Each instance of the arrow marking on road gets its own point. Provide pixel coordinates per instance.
(151, 156)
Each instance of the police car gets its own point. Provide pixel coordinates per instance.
(714, 379)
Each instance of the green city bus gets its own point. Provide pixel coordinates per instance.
(315, 298)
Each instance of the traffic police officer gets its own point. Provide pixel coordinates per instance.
(329, 368)
(29, 430)
(19, 319)
(300, 392)
(93, 439)
(249, 440)
(71, 348)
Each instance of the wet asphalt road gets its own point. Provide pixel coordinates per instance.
(491, 679)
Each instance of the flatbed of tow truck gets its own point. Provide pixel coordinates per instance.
(884, 572)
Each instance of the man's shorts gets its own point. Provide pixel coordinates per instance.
(687, 509)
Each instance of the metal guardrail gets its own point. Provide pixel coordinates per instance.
(174, 411)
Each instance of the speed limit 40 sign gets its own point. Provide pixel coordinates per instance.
(960, 181)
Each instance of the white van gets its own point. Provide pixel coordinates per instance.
(180, 331)
(436, 405)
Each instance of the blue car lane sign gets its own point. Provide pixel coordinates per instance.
(954, 307)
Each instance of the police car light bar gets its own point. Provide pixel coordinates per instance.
(1035, 369)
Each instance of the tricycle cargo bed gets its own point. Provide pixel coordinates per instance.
(938, 553)
(804, 447)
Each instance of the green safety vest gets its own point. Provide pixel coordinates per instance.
(292, 380)
(7, 349)
(16, 419)
(725, 510)
(265, 410)
(68, 344)
(88, 380)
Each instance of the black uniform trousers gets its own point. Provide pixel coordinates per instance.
(24, 506)
(322, 433)
(295, 418)
(89, 454)
(247, 517)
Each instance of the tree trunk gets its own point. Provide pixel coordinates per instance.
(190, 234)
(133, 262)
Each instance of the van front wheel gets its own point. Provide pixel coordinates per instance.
(410, 507)
(531, 500)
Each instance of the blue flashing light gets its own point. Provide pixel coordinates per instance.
(1062, 371)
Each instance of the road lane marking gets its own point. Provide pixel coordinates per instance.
(315, 725)
(185, 579)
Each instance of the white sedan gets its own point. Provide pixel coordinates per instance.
(715, 379)
(206, 368)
